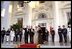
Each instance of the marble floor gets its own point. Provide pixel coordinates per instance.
(56, 45)
(47, 45)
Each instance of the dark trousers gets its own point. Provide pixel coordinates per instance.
(46, 37)
(31, 39)
(2, 38)
(20, 37)
(60, 38)
(16, 37)
(26, 38)
(65, 37)
(40, 41)
(52, 38)
(43, 38)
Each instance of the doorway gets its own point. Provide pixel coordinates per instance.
(20, 22)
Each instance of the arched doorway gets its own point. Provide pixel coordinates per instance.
(20, 22)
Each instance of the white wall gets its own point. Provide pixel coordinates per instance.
(5, 20)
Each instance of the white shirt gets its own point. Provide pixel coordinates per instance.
(12, 33)
(69, 33)
(69, 30)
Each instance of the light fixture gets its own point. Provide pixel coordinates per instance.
(2, 12)
(10, 8)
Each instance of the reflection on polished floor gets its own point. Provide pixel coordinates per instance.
(47, 45)
(56, 45)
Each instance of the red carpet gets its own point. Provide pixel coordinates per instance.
(28, 46)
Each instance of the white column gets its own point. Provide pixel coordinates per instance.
(10, 14)
(30, 15)
(5, 19)
(56, 18)
(26, 15)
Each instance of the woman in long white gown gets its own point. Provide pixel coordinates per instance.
(69, 32)
(36, 35)
(12, 35)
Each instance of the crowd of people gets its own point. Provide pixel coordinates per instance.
(40, 34)
(64, 34)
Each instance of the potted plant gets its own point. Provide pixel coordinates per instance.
(16, 26)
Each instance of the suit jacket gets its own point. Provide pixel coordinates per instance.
(52, 32)
(3, 32)
(59, 30)
(64, 31)
(8, 32)
(31, 32)
(16, 32)
(39, 31)
(26, 32)
(20, 32)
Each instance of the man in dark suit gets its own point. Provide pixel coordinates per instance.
(40, 41)
(46, 35)
(52, 34)
(26, 34)
(60, 34)
(7, 34)
(64, 31)
(16, 35)
(31, 33)
(43, 34)
(2, 34)
(20, 34)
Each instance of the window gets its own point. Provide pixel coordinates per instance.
(21, 3)
(69, 17)
(69, 22)
(42, 15)
(42, 24)
(41, 1)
